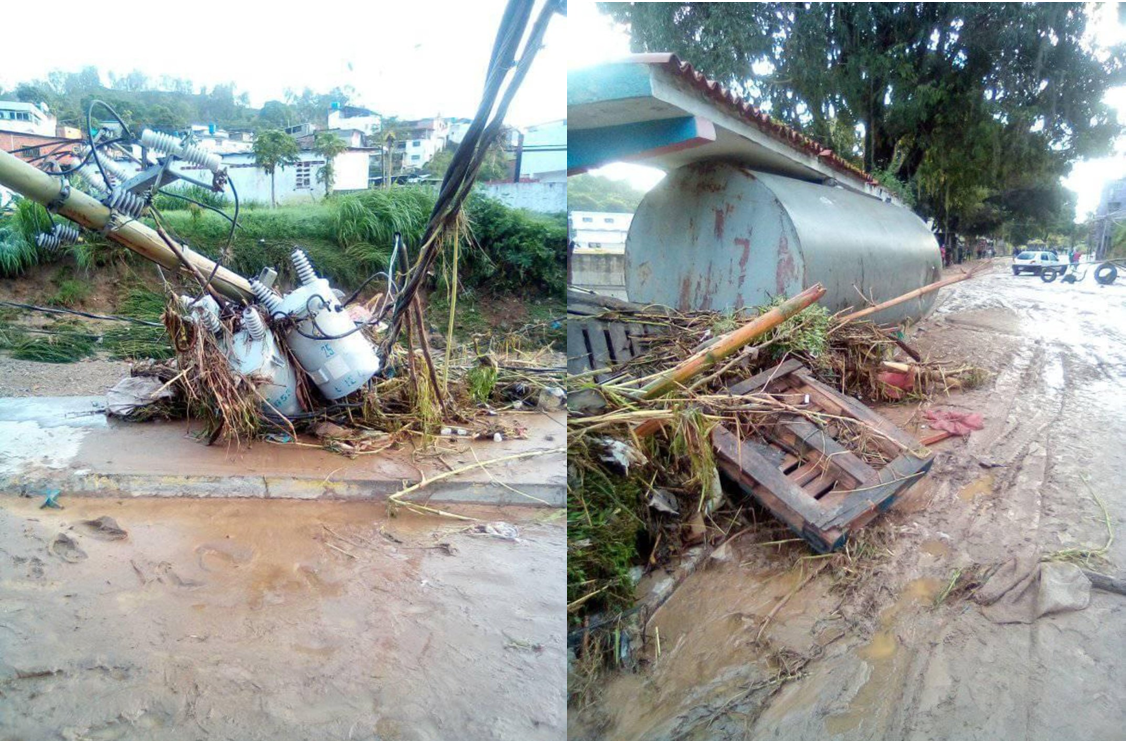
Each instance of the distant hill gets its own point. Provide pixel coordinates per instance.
(597, 193)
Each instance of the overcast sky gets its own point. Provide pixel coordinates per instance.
(592, 38)
(410, 59)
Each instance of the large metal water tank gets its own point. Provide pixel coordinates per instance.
(715, 235)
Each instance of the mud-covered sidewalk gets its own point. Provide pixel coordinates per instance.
(861, 650)
(245, 619)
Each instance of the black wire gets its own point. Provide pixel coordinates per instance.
(47, 310)
(373, 276)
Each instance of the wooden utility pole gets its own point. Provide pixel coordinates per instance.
(84, 210)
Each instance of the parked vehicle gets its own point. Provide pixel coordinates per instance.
(1034, 261)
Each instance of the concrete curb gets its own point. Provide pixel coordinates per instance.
(537, 494)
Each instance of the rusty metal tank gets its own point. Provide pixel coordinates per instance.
(716, 235)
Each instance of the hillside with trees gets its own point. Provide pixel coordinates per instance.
(171, 103)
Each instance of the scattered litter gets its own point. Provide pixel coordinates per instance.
(551, 398)
(622, 454)
(502, 530)
(497, 437)
(954, 422)
(66, 548)
(104, 528)
(51, 502)
(139, 398)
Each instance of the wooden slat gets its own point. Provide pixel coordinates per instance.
(754, 465)
(619, 343)
(599, 350)
(896, 476)
(758, 381)
(578, 358)
(840, 458)
(859, 411)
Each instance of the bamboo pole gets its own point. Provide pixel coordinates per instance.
(905, 297)
(731, 342)
(84, 210)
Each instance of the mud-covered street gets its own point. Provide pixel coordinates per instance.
(248, 619)
(870, 649)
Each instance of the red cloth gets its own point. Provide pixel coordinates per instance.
(896, 383)
(956, 423)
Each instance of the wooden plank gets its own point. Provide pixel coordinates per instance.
(877, 494)
(756, 466)
(578, 358)
(599, 350)
(840, 458)
(619, 343)
(760, 380)
(859, 411)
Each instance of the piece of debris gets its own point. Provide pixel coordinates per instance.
(954, 422)
(51, 501)
(66, 548)
(502, 530)
(1024, 589)
(621, 454)
(825, 471)
(104, 528)
(664, 501)
(139, 398)
(551, 399)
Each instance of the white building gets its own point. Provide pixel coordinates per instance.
(544, 153)
(355, 117)
(295, 183)
(599, 230)
(458, 129)
(1110, 213)
(221, 141)
(27, 118)
(421, 140)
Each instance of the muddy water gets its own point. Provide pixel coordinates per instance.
(901, 667)
(278, 619)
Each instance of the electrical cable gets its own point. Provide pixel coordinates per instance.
(88, 315)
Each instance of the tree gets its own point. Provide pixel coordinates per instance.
(493, 167)
(956, 100)
(273, 149)
(328, 145)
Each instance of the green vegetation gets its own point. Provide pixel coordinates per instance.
(18, 229)
(171, 103)
(137, 342)
(61, 342)
(976, 109)
(596, 193)
(328, 145)
(70, 293)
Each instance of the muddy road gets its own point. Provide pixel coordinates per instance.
(861, 650)
(248, 619)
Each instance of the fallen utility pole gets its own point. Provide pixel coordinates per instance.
(75, 205)
(905, 297)
(732, 342)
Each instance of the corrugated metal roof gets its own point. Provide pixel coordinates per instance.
(750, 113)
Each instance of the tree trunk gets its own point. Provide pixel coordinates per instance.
(273, 199)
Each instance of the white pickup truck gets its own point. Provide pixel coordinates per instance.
(1034, 261)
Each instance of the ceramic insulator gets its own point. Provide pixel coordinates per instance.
(127, 203)
(303, 267)
(265, 296)
(252, 322)
(187, 152)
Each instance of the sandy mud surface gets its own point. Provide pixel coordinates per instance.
(862, 651)
(248, 619)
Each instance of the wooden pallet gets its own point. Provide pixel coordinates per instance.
(594, 344)
(810, 477)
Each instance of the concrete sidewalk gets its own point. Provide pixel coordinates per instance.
(66, 443)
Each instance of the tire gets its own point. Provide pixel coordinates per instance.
(1048, 276)
(1106, 274)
